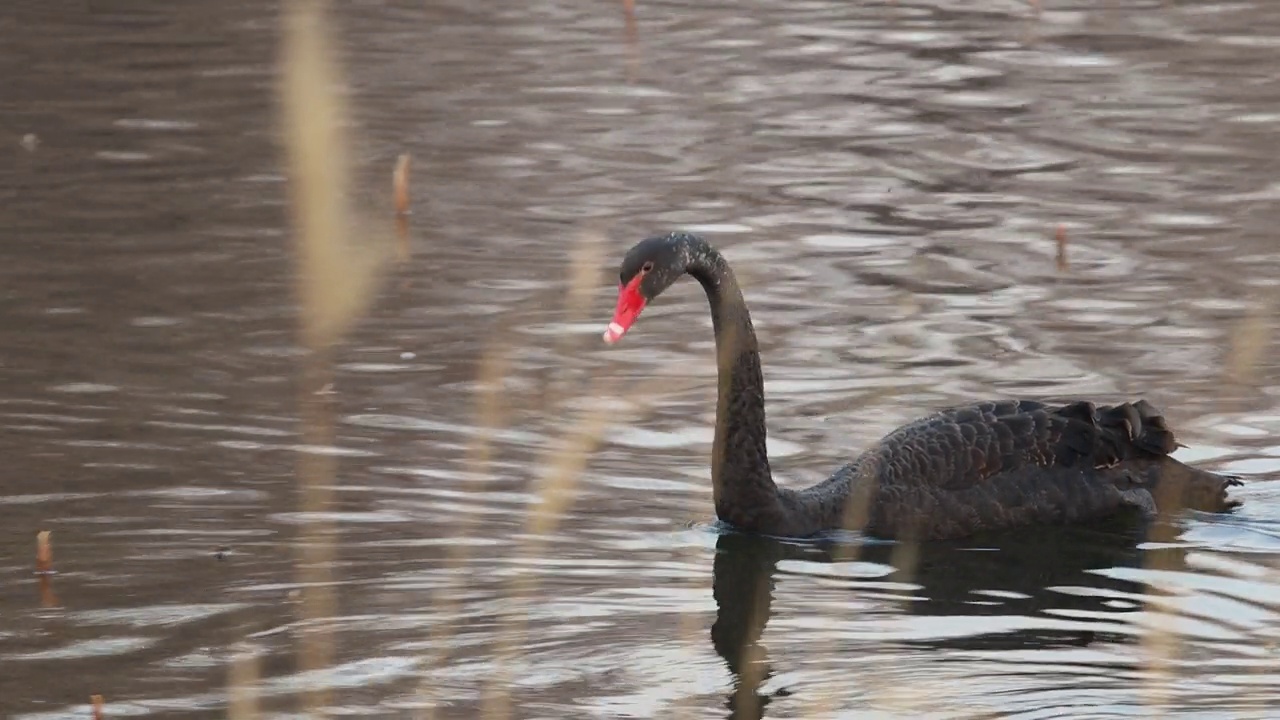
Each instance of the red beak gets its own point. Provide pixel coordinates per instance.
(630, 303)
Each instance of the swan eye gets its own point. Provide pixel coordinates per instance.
(647, 267)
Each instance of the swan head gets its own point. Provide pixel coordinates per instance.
(650, 267)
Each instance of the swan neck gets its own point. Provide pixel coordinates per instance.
(744, 492)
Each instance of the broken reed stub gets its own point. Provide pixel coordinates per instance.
(1060, 239)
(400, 184)
(44, 553)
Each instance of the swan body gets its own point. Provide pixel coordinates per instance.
(979, 467)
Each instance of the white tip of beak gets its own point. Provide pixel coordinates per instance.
(614, 333)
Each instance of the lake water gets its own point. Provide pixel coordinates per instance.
(887, 178)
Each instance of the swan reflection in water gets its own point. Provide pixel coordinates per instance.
(1006, 574)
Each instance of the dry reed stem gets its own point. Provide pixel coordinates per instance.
(585, 262)
(857, 514)
(905, 558)
(565, 464)
(315, 548)
(1160, 644)
(562, 464)
(335, 276)
(490, 413)
(491, 409)
(561, 467)
(1250, 338)
(335, 283)
(44, 552)
(242, 684)
(97, 702)
(687, 629)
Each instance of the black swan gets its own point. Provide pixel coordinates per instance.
(985, 466)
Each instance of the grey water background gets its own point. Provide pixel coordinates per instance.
(886, 177)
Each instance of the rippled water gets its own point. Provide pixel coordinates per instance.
(886, 177)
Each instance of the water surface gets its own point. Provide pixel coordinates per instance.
(887, 179)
